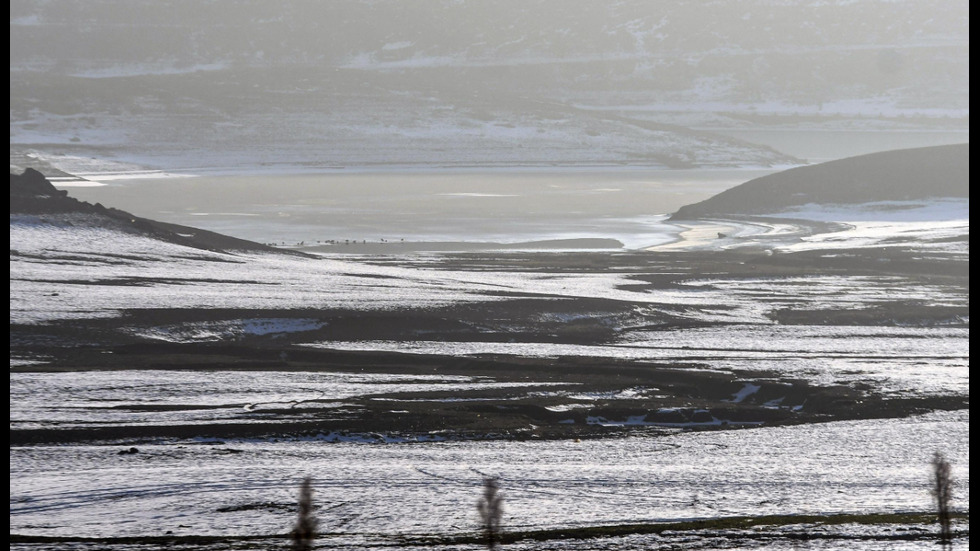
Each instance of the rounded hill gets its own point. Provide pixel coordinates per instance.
(898, 175)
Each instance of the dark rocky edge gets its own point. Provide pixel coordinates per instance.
(899, 175)
(32, 194)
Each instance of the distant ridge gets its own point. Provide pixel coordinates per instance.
(32, 194)
(899, 175)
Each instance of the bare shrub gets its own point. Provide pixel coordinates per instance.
(943, 492)
(305, 529)
(491, 508)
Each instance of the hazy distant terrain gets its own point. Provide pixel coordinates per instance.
(499, 83)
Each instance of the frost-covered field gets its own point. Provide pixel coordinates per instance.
(371, 492)
(918, 361)
(373, 488)
(91, 398)
(101, 273)
(389, 84)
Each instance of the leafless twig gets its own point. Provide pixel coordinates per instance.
(943, 491)
(305, 529)
(491, 509)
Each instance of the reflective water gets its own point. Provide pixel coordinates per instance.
(451, 205)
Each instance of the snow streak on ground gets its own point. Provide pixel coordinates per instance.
(938, 227)
(122, 398)
(893, 360)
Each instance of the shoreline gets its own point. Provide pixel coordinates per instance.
(583, 244)
(67, 173)
(491, 209)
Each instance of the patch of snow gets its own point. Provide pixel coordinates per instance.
(567, 407)
(748, 390)
(397, 45)
(144, 69)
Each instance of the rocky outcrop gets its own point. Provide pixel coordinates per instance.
(32, 193)
(33, 184)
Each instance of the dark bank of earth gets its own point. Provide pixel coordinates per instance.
(684, 534)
